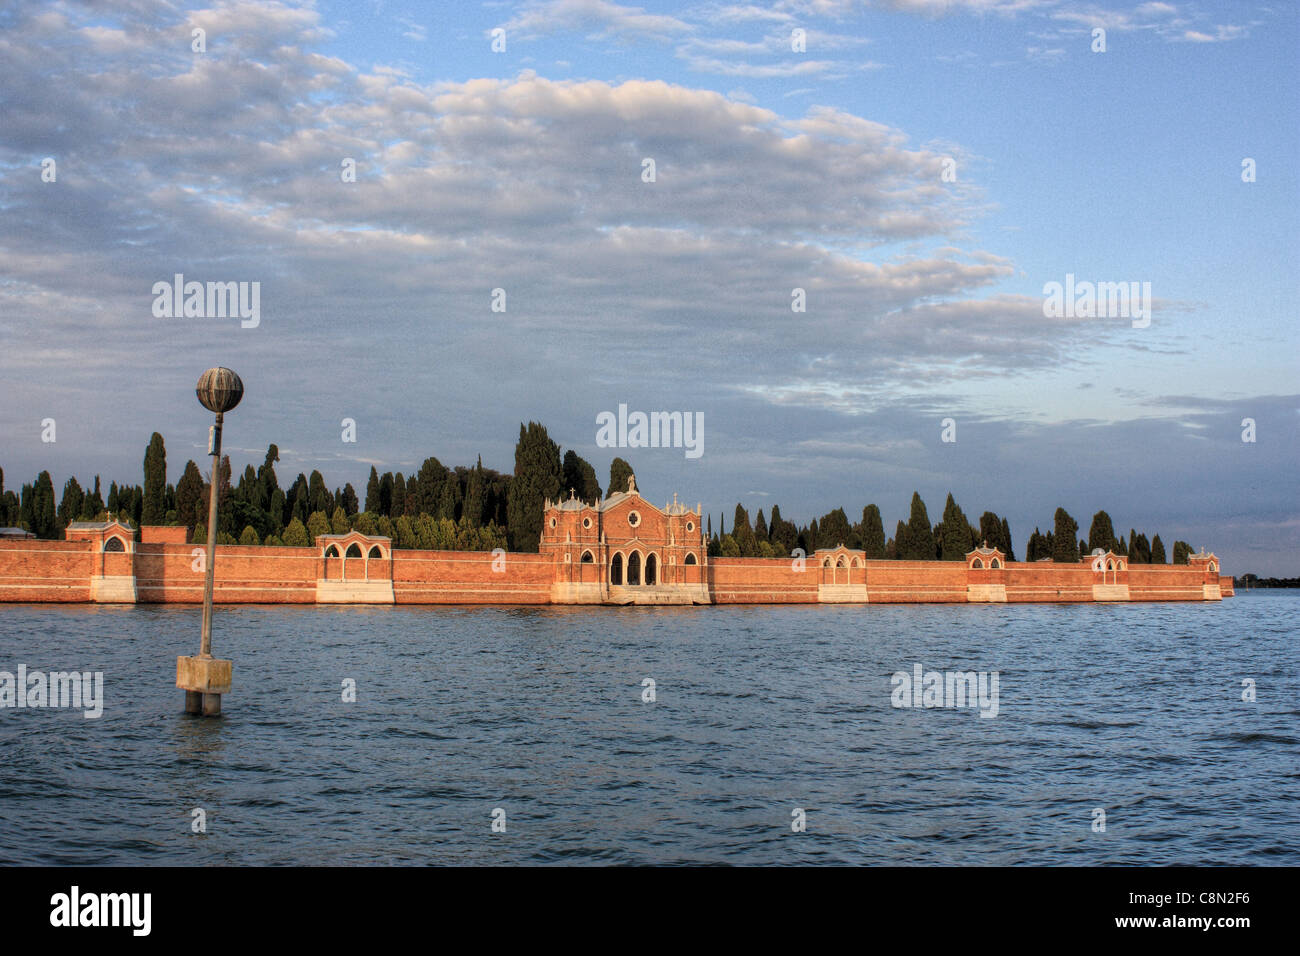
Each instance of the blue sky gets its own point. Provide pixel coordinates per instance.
(776, 170)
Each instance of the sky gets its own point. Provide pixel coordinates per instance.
(921, 169)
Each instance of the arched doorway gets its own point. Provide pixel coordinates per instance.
(616, 570)
(651, 568)
(634, 568)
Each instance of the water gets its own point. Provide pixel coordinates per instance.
(1134, 709)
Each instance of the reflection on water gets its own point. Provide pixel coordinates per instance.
(538, 711)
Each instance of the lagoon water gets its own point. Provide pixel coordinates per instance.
(1134, 709)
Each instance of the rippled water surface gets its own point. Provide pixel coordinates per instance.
(1133, 709)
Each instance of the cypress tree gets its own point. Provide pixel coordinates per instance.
(990, 530)
(1064, 540)
(743, 534)
(581, 477)
(1158, 551)
(1006, 544)
(833, 529)
(537, 476)
(74, 498)
(873, 532)
(432, 476)
(619, 472)
(760, 527)
(1102, 533)
(476, 495)
(920, 536)
(44, 520)
(1181, 551)
(955, 532)
(348, 500)
(399, 495)
(372, 491)
(190, 496)
(153, 506)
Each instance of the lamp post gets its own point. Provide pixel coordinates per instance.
(205, 678)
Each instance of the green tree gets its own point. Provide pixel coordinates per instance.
(1181, 552)
(476, 494)
(580, 476)
(42, 518)
(1158, 551)
(760, 527)
(93, 505)
(990, 530)
(1007, 546)
(451, 502)
(1064, 543)
(537, 477)
(728, 547)
(348, 500)
(317, 525)
(431, 476)
(339, 522)
(70, 506)
(399, 495)
(191, 503)
(833, 529)
(249, 535)
(919, 544)
(954, 532)
(1139, 549)
(619, 472)
(1102, 533)
(372, 490)
(743, 534)
(873, 532)
(155, 482)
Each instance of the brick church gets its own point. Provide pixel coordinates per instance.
(625, 550)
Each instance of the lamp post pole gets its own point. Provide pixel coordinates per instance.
(205, 641)
(205, 678)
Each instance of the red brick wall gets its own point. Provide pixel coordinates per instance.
(32, 570)
(762, 581)
(163, 534)
(245, 574)
(466, 577)
(39, 571)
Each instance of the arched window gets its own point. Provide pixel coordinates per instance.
(375, 552)
(353, 550)
(331, 552)
(651, 567)
(857, 563)
(114, 544)
(995, 563)
(1110, 564)
(690, 558)
(587, 558)
(616, 569)
(826, 562)
(977, 563)
(634, 568)
(1213, 567)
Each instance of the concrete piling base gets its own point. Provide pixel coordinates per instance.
(204, 680)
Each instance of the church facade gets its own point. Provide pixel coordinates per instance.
(625, 550)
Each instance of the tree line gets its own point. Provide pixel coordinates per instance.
(916, 539)
(473, 508)
(467, 508)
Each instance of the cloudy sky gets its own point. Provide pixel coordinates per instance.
(823, 169)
